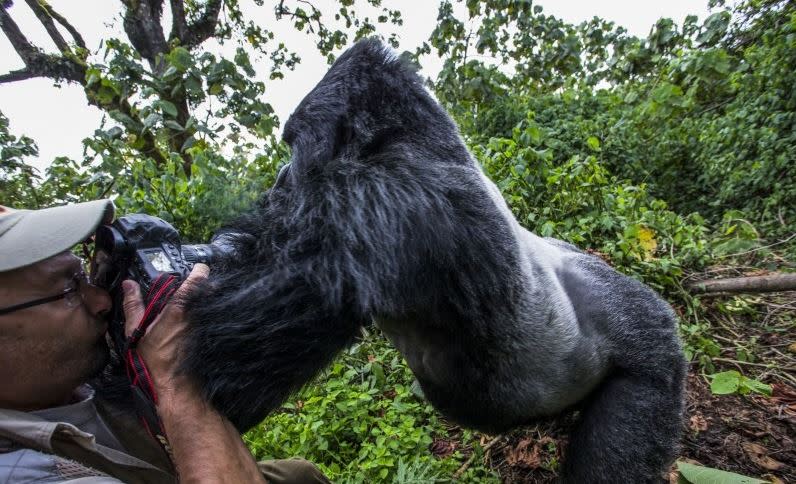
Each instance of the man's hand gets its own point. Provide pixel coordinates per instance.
(205, 445)
(160, 347)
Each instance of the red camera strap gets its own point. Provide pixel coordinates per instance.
(142, 386)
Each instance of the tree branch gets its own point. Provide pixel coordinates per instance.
(308, 19)
(204, 27)
(47, 21)
(142, 25)
(65, 24)
(754, 284)
(150, 147)
(178, 25)
(24, 48)
(37, 63)
(19, 75)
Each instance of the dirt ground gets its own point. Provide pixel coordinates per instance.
(753, 436)
(748, 434)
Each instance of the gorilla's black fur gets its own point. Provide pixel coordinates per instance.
(383, 215)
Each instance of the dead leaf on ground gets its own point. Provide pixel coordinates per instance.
(443, 448)
(674, 472)
(698, 423)
(522, 456)
(759, 455)
(783, 397)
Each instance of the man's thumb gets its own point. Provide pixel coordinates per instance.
(133, 306)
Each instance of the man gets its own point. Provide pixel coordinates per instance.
(52, 342)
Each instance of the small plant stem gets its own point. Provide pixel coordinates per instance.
(469, 461)
(736, 362)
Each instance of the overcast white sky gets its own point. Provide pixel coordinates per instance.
(59, 118)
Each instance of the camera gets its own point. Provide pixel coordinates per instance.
(143, 248)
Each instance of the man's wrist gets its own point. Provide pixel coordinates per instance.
(179, 396)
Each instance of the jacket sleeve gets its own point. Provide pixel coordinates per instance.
(27, 465)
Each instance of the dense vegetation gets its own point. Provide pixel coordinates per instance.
(664, 155)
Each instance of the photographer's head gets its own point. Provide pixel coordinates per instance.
(52, 333)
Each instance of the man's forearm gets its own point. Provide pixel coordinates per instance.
(206, 446)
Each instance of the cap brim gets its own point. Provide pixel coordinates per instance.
(34, 235)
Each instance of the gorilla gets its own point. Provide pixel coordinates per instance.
(383, 215)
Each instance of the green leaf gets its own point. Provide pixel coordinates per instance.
(180, 58)
(593, 143)
(756, 386)
(168, 108)
(695, 474)
(173, 125)
(93, 76)
(126, 120)
(417, 390)
(151, 120)
(725, 383)
(631, 97)
(188, 143)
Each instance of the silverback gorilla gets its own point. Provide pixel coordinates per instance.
(382, 215)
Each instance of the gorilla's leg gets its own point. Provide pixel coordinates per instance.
(628, 430)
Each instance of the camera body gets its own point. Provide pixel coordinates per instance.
(142, 248)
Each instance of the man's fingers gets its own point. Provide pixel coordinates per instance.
(133, 305)
(197, 275)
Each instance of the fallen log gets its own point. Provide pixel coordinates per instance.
(755, 284)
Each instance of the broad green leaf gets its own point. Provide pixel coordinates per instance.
(695, 474)
(180, 58)
(725, 382)
(593, 143)
(756, 386)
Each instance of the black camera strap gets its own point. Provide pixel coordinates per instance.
(142, 386)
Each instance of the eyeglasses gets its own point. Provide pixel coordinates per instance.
(73, 295)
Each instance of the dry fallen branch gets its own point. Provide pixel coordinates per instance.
(469, 461)
(753, 284)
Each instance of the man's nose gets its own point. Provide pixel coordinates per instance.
(97, 300)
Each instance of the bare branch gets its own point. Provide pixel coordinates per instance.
(37, 63)
(19, 75)
(776, 282)
(47, 21)
(24, 48)
(204, 27)
(65, 24)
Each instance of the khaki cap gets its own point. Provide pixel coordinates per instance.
(29, 236)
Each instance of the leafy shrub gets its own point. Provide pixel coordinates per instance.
(361, 421)
(579, 201)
